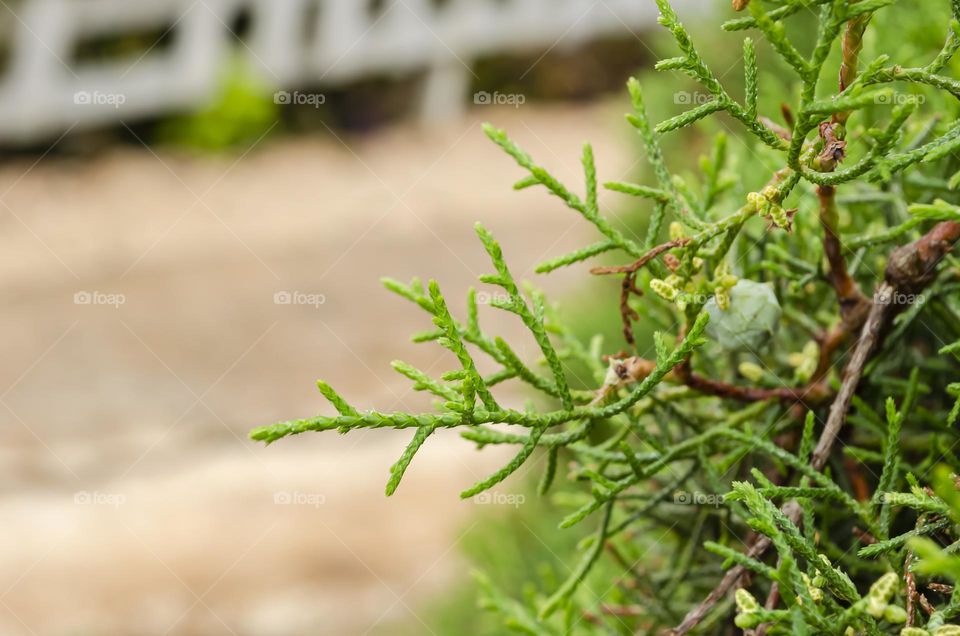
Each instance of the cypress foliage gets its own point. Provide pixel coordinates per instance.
(784, 460)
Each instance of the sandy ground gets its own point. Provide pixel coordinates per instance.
(131, 500)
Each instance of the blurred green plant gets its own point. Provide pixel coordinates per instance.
(724, 442)
(242, 112)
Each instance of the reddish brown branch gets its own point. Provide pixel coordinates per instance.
(777, 129)
(623, 610)
(911, 585)
(627, 313)
(812, 392)
(850, 53)
(773, 597)
(787, 113)
(941, 588)
(629, 284)
(910, 268)
(643, 260)
(861, 489)
(853, 304)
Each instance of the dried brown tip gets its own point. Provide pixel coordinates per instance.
(834, 149)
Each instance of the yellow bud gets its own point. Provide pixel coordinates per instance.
(876, 606)
(796, 359)
(663, 289)
(746, 620)
(728, 281)
(815, 592)
(745, 601)
(757, 200)
(779, 216)
(806, 370)
(947, 630)
(751, 371)
(895, 614)
(769, 193)
(884, 587)
(676, 231)
(723, 298)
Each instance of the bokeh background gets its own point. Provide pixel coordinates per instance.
(197, 201)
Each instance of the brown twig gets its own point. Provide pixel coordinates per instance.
(622, 610)
(777, 129)
(880, 312)
(773, 597)
(853, 304)
(864, 537)
(811, 392)
(629, 284)
(628, 315)
(941, 588)
(911, 585)
(861, 489)
(850, 52)
(814, 392)
(643, 260)
(787, 113)
(635, 368)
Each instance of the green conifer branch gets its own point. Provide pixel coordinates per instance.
(531, 317)
(639, 431)
(751, 72)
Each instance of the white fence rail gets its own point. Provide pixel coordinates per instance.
(46, 89)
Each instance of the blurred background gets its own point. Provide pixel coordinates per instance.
(197, 201)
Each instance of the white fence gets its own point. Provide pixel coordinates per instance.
(292, 43)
